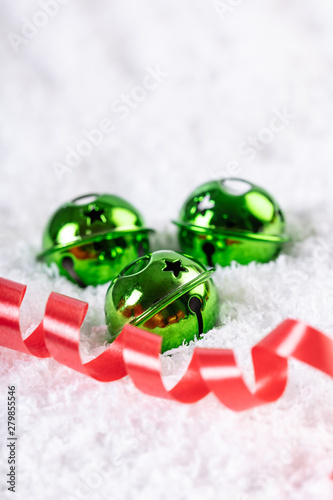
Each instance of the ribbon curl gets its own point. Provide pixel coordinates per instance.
(136, 352)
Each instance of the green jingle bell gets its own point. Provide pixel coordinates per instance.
(93, 237)
(231, 220)
(166, 293)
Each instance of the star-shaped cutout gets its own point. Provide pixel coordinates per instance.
(175, 267)
(95, 214)
(205, 204)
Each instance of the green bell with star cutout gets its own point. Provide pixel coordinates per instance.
(93, 237)
(166, 293)
(231, 220)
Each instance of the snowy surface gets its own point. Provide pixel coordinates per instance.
(228, 74)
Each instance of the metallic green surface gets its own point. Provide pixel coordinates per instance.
(96, 236)
(231, 220)
(157, 292)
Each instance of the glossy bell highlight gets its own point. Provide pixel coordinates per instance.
(93, 237)
(166, 293)
(231, 220)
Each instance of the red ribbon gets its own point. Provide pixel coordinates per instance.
(136, 353)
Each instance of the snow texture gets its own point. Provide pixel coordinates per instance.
(228, 69)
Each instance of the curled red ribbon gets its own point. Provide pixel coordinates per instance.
(136, 353)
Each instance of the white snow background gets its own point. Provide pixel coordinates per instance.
(231, 67)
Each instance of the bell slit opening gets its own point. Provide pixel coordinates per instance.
(195, 306)
(209, 250)
(68, 265)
